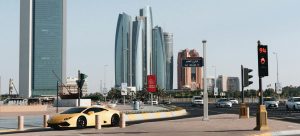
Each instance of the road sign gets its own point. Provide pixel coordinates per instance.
(216, 91)
(151, 83)
(124, 89)
(278, 88)
(192, 62)
(131, 90)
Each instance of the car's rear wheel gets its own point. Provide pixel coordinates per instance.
(56, 127)
(81, 122)
(115, 119)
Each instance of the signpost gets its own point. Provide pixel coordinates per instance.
(151, 86)
(124, 91)
(192, 62)
(105, 93)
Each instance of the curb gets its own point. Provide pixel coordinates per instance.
(157, 115)
(280, 133)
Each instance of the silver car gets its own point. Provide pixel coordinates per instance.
(293, 103)
(270, 102)
(223, 103)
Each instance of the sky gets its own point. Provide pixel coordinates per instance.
(231, 28)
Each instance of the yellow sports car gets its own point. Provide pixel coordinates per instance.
(82, 117)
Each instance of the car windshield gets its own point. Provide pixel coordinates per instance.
(197, 98)
(269, 99)
(73, 110)
(296, 99)
(222, 100)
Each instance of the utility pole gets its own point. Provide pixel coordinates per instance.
(79, 89)
(205, 98)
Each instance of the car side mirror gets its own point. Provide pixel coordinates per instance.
(90, 112)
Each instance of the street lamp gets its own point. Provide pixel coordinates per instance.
(277, 83)
(205, 96)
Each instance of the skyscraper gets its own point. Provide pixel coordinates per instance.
(123, 50)
(168, 39)
(147, 13)
(42, 46)
(188, 77)
(138, 42)
(159, 57)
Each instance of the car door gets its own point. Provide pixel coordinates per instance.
(104, 115)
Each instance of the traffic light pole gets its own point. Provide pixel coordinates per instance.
(78, 89)
(242, 75)
(261, 115)
(261, 92)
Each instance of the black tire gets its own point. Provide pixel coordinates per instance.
(294, 108)
(81, 122)
(56, 127)
(115, 119)
(287, 108)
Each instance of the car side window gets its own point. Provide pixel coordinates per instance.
(93, 109)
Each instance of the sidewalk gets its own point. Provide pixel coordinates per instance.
(218, 125)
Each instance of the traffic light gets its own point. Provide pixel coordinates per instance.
(262, 52)
(81, 80)
(247, 76)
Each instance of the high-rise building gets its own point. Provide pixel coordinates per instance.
(138, 42)
(188, 77)
(222, 83)
(42, 46)
(168, 39)
(159, 57)
(123, 50)
(233, 84)
(210, 83)
(147, 13)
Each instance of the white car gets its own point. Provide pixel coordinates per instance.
(270, 102)
(234, 101)
(223, 102)
(197, 100)
(293, 103)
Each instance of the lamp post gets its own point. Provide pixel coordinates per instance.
(205, 98)
(104, 87)
(277, 83)
(215, 82)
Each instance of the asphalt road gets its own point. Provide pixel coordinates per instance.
(279, 114)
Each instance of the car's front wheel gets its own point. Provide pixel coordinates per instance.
(115, 119)
(81, 122)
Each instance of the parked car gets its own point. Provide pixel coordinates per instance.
(223, 102)
(155, 102)
(270, 102)
(293, 103)
(197, 100)
(81, 117)
(234, 101)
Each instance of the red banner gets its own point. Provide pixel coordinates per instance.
(151, 79)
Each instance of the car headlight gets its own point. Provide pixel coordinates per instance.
(67, 118)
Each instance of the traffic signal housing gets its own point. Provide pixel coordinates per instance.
(262, 53)
(247, 76)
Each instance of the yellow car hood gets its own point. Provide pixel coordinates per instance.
(61, 117)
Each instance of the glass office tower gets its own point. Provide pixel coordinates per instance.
(123, 51)
(42, 46)
(147, 13)
(159, 57)
(168, 39)
(138, 44)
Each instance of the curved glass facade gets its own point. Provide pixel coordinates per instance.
(122, 50)
(138, 43)
(159, 57)
(147, 12)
